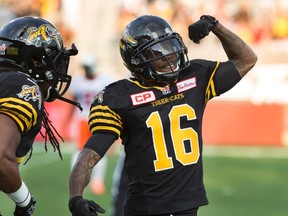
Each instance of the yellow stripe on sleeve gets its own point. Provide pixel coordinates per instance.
(10, 106)
(106, 128)
(210, 90)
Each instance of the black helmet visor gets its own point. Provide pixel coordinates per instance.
(161, 49)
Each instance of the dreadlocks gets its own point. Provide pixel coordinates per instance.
(49, 133)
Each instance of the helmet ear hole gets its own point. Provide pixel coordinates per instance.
(48, 52)
(129, 48)
(49, 75)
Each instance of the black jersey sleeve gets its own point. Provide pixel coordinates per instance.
(20, 99)
(103, 115)
(226, 77)
(220, 77)
(104, 139)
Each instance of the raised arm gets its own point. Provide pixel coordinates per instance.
(235, 48)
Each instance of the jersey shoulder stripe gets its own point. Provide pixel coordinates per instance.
(22, 112)
(103, 118)
(210, 90)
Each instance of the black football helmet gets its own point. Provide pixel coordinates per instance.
(146, 39)
(35, 47)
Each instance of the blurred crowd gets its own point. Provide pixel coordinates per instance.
(50, 10)
(261, 23)
(255, 21)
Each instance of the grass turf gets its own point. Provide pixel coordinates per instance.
(237, 185)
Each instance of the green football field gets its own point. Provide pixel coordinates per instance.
(248, 181)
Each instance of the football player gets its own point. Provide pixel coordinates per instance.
(33, 69)
(158, 115)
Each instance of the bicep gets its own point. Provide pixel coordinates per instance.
(9, 141)
(9, 136)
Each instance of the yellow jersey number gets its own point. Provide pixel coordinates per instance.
(178, 135)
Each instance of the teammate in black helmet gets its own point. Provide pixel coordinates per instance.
(158, 115)
(33, 69)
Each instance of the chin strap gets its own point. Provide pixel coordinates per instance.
(56, 95)
(77, 104)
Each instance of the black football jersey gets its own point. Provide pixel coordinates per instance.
(21, 100)
(161, 129)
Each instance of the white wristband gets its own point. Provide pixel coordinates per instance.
(22, 196)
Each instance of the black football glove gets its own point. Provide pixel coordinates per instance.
(27, 210)
(83, 207)
(201, 28)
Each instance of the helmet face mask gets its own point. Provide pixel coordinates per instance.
(36, 47)
(149, 41)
